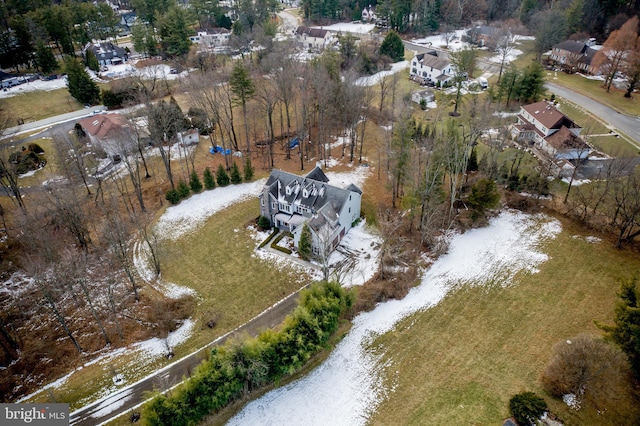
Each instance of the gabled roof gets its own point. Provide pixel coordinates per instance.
(104, 126)
(317, 174)
(312, 32)
(485, 30)
(564, 139)
(429, 60)
(549, 116)
(310, 191)
(572, 46)
(213, 31)
(107, 49)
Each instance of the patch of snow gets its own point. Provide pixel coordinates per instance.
(191, 213)
(33, 86)
(349, 27)
(112, 403)
(348, 381)
(571, 400)
(370, 80)
(512, 56)
(357, 257)
(576, 182)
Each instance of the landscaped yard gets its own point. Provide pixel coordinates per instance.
(481, 345)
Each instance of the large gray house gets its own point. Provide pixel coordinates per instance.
(289, 201)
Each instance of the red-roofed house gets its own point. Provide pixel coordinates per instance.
(112, 132)
(551, 131)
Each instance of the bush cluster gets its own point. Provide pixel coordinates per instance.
(184, 189)
(275, 242)
(238, 368)
(273, 234)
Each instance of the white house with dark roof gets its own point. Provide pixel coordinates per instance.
(289, 201)
(316, 39)
(211, 38)
(551, 131)
(431, 68)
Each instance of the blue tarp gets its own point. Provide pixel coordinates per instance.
(218, 148)
(294, 142)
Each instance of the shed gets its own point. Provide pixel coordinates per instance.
(427, 95)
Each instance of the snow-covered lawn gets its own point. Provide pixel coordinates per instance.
(370, 80)
(349, 27)
(346, 388)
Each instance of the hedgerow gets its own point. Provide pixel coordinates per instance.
(240, 367)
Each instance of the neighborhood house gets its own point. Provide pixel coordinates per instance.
(112, 132)
(107, 53)
(573, 55)
(431, 68)
(212, 38)
(550, 131)
(315, 39)
(289, 201)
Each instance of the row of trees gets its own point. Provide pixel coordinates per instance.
(241, 367)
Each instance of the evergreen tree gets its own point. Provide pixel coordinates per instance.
(183, 189)
(484, 195)
(304, 245)
(209, 181)
(172, 196)
(248, 170)
(530, 86)
(222, 177)
(472, 163)
(626, 331)
(45, 59)
(393, 47)
(174, 32)
(91, 61)
(243, 89)
(527, 407)
(194, 182)
(80, 85)
(234, 175)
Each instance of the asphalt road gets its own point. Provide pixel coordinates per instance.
(129, 399)
(13, 132)
(617, 121)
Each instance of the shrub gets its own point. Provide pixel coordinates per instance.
(304, 245)
(269, 238)
(234, 176)
(238, 367)
(34, 147)
(209, 180)
(248, 170)
(194, 182)
(183, 189)
(221, 176)
(172, 196)
(526, 407)
(263, 223)
(589, 368)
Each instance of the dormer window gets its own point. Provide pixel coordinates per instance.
(305, 193)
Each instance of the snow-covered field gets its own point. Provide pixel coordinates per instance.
(346, 388)
(349, 27)
(370, 80)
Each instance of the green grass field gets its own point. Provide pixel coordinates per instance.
(33, 106)
(461, 361)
